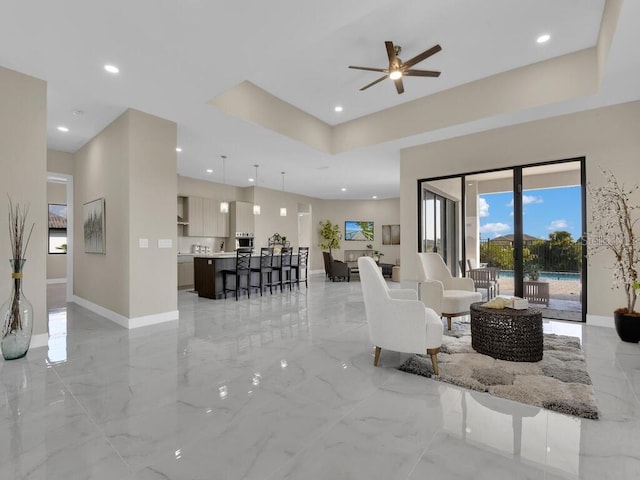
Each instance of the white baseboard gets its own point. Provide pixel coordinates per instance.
(600, 321)
(154, 319)
(129, 323)
(51, 281)
(40, 340)
(315, 272)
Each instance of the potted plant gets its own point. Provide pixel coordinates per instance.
(532, 271)
(614, 221)
(330, 235)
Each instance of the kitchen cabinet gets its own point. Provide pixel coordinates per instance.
(241, 218)
(185, 271)
(204, 218)
(194, 212)
(222, 223)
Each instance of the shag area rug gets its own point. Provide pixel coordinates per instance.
(559, 382)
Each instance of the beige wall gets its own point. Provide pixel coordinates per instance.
(381, 212)
(56, 263)
(23, 159)
(607, 137)
(152, 214)
(132, 164)
(101, 171)
(59, 162)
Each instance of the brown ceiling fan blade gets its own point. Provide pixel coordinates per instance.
(369, 69)
(374, 82)
(391, 53)
(421, 73)
(424, 55)
(399, 85)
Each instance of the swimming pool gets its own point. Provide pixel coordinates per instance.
(548, 276)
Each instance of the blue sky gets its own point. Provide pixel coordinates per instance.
(545, 211)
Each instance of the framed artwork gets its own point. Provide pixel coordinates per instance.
(94, 226)
(391, 235)
(358, 230)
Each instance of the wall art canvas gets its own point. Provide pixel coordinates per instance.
(94, 227)
(358, 230)
(391, 235)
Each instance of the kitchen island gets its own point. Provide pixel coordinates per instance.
(208, 272)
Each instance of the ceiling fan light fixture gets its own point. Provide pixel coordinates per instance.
(395, 74)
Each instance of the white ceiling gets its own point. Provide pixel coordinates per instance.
(176, 55)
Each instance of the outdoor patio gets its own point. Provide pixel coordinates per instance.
(564, 298)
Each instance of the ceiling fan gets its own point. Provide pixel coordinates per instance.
(398, 69)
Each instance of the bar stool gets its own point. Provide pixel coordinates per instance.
(243, 269)
(284, 269)
(265, 271)
(303, 259)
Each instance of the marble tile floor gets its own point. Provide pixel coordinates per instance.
(283, 387)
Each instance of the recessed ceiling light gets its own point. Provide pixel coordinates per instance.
(343, 189)
(209, 170)
(251, 180)
(543, 38)
(112, 69)
(337, 108)
(178, 149)
(63, 128)
(374, 197)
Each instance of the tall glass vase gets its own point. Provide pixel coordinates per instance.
(17, 317)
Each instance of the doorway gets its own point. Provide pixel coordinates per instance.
(64, 181)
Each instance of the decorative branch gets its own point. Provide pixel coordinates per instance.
(17, 222)
(613, 229)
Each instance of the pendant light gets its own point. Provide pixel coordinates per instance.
(283, 210)
(256, 205)
(224, 205)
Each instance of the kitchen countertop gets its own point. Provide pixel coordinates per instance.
(211, 255)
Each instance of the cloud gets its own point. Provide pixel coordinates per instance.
(483, 207)
(494, 228)
(527, 199)
(557, 225)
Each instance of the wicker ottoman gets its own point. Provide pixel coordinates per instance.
(514, 335)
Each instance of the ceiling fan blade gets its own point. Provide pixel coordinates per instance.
(399, 85)
(370, 69)
(391, 53)
(421, 73)
(374, 82)
(424, 55)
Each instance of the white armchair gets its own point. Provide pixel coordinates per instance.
(448, 296)
(397, 320)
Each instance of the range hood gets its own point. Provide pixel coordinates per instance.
(181, 221)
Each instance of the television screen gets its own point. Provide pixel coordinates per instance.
(358, 230)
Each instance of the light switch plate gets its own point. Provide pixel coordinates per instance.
(165, 243)
(143, 242)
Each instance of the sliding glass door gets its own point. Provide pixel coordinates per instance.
(439, 224)
(521, 224)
